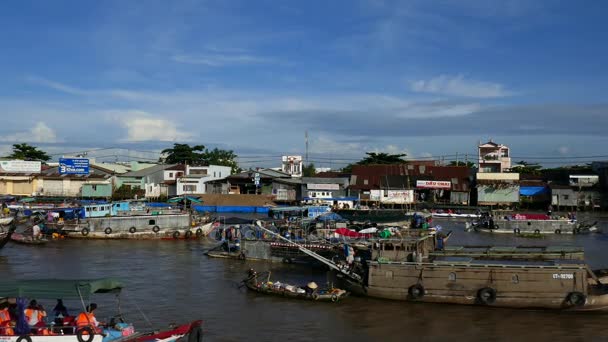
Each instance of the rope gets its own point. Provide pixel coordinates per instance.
(141, 312)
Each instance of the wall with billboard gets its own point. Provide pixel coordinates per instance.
(20, 166)
(74, 166)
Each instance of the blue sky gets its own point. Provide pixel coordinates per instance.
(420, 77)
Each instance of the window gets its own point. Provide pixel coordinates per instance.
(213, 173)
(189, 188)
(94, 208)
(88, 209)
(515, 279)
(151, 222)
(94, 186)
(565, 197)
(365, 182)
(170, 174)
(220, 174)
(452, 276)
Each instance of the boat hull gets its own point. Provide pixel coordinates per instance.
(495, 285)
(535, 227)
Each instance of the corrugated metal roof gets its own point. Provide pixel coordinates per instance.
(147, 171)
(321, 180)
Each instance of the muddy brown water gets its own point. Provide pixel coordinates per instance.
(172, 282)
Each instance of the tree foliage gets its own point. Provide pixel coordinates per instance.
(378, 158)
(223, 158)
(25, 151)
(199, 155)
(184, 154)
(309, 170)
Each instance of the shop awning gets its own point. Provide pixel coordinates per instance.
(533, 190)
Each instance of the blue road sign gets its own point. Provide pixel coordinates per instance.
(73, 166)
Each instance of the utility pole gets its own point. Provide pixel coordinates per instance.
(306, 137)
(457, 164)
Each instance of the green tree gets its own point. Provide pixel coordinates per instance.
(199, 155)
(26, 152)
(378, 158)
(223, 158)
(309, 170)
(183, 154)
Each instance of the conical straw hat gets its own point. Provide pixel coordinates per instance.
(312, 285)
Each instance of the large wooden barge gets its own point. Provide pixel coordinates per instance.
(415, 269)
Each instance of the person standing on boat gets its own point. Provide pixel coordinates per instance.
(549, 210)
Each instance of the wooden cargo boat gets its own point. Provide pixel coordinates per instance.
(374, 215)
(308, 292)
(530, 224)
(27, 239)
(66, 329)
(412, 270)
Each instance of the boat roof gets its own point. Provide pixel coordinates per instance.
(57, 288)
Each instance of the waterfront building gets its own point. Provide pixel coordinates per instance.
(493, 157)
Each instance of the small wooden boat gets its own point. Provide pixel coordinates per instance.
(28, 239)
(309, 292)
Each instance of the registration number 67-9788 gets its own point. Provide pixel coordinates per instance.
(563, 276)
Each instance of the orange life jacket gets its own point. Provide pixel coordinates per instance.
(85, 318)
(30, 312)
(7, 331)
(4, 316)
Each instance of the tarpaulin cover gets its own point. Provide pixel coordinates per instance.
(530, 217)
(235, 220)
(532, 190)
(54, 288)
(329, 217)
(157, 205)
(189, 198)
(347, 232)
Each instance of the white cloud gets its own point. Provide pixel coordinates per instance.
(40, 133)
(142, 126)
(459, 86)
(218, 59)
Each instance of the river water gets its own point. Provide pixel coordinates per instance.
(173, 282)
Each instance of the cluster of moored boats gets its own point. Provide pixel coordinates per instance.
(414, 263)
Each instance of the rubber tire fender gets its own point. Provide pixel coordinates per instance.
(516, 231)
(334, 298)
(176, 234)
(199, 233)
(416, 291)
(85, 231)
(558, 231)
(80, 334)
(156, 229)
(196, 335)
(241, 256)
(486, 295)
(24, 338)
(132, 230)
(536, 231)
(108, 231)
(188, 234)
(576, 299)
(315, 296)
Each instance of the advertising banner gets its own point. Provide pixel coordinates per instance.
(74, 166)
(20, 166)
(423, 184)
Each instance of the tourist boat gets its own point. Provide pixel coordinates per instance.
(410, 270)
(454, 215)
(253, 283)
(529, 224)
(64, 329)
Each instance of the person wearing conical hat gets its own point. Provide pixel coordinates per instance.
(311, 288)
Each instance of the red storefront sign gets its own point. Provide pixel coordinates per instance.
(421, 184)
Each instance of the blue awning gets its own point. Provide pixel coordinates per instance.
(533, 190)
